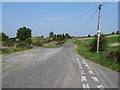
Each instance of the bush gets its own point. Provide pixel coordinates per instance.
(28, 42)
(37, 44)
(103, 44)
(114, 55)
(7, 43)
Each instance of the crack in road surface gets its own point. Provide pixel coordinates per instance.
(54, 68)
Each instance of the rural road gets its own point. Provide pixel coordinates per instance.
(54, 68)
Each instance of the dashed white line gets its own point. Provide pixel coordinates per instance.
(78, 62)
(82, 72)
(83, 78)
(77, 59)
(85, 85)
(80, 67)
(91, 72)
(95, 79)
(86, 65)
(88, 68)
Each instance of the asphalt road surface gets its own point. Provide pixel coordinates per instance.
(54, 68)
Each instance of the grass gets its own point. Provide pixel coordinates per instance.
(53, 44)
(112, 39)
(99, 58)
(46, 42)
(13, 50)
(36, 39)
(114, 48)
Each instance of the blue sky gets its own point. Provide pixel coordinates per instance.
(44, 17)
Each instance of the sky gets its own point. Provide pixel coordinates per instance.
(75, 18)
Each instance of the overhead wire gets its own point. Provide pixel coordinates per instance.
(79, 16)
(85, 13)
(83, 27)
(89, 20)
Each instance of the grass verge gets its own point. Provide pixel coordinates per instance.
(13, 50)
(99, 58)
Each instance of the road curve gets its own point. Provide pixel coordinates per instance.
(54, 68)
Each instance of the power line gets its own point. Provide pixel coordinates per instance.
(89, 20)
(85, 13)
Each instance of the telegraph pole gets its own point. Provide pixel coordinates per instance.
(98, 33)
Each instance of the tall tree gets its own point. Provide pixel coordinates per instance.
(67, 36)
(3, 37)
(89, 35)
(117, 32)
(23, 33)
(113, 33)
(51, 34)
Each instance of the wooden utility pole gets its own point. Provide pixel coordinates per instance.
(98, 34)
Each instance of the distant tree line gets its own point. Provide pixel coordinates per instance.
(117, 32)
(59, 37)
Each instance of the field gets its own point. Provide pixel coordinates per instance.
(101, 57)
(47, 42)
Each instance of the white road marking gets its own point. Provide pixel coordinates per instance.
(84, 62)
(91, 72)
(83, 78)
(79, 62)
(100, 86)
(86, 65)
(85, 85)
(77, 59)
(97, 73)
(88, 68)
(82, 72)
(80, 67)
(95, 79)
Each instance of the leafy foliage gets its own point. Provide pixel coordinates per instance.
(61, 37)
(23, 33)
(3, 37)
(114, 55)
(117, 32)
(113, 33)
(89, 35)
(51, 34)
(103, 44)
